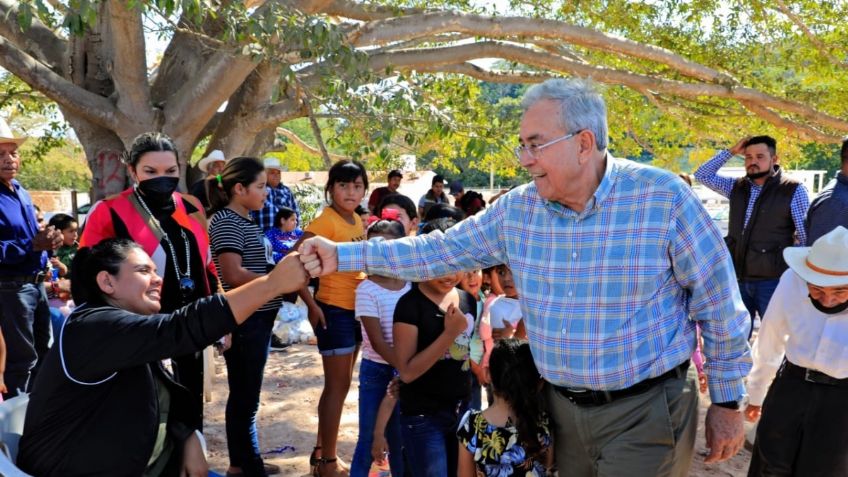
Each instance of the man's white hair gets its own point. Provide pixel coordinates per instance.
(581, 106)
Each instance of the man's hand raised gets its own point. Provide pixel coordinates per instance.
(739, 147)
(319, 256)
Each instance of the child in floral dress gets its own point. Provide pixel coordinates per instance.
(511, 437)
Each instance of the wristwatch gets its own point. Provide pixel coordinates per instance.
(737, 405)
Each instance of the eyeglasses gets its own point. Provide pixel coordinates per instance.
(533, 150)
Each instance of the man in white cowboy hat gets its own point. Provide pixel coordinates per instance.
(804, 340)
(279, 196)
(24, 313)
(212, 165)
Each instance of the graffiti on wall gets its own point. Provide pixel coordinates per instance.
(109, 174)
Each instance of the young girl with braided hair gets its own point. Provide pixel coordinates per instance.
(511, 437)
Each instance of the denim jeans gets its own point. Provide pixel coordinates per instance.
(756, 296)
(245, 368)
(373, 379)
(25, 321)
(430, 442)
(476, 394)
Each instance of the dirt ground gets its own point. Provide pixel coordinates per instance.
(288, 419)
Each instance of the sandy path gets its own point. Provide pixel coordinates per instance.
(287, 417)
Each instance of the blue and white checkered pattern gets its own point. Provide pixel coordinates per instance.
(708, 175)
(610, 295)
(280, 196)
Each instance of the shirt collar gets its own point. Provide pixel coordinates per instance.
(776, 171)
(611, 169)
(15, 185)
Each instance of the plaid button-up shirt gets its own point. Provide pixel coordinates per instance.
(280, 196)
(610, 295)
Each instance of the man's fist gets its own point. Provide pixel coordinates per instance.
(319, 256)
(290, 274)
(455, 321)
(724, 432)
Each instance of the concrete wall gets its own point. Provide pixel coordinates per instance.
(50, 201)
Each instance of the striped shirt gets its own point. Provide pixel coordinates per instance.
(374, 301)
(708, 175)
(230, 232)
(610, 295)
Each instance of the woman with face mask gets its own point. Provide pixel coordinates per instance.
(171, 228)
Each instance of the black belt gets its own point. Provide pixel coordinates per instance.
(810, 375)
(598, 398)
(34, 278)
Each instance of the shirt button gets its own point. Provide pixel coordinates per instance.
(564, 331)
(569, 293)
(574, 255)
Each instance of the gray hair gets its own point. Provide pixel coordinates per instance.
(581, 106)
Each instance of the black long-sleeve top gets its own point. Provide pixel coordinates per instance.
(94, 406)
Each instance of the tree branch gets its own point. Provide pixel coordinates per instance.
(434, 57)
(380, 32)
(128, 60)
(37, 41)
(818, 44)
(316, 131)
(348, 9)
(405, 45)
(474, 71)
(294, 138)
(86, 104)
(283, 111)
(196, 101)
(802, 130)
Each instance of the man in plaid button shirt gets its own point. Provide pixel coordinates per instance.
(615, 263)
(278, 196)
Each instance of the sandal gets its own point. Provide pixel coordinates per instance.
(324, 461)
(314, 461)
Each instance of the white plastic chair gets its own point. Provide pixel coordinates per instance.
(12, 414)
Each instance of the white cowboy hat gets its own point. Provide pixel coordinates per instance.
(272, 163)
(825, 264)
(6, 135)
(216, 155)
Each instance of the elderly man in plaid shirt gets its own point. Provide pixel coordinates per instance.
(615, 263)
(278, 196)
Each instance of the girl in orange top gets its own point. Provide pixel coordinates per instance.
(331, 313)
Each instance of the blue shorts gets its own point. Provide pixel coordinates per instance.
(343, 333)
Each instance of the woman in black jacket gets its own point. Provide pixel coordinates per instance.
(103, 403)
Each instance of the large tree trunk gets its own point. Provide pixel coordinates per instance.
(103, 148)
(104, 151)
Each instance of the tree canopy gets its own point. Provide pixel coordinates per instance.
(381, 78)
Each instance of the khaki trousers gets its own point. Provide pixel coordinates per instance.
(647, 435)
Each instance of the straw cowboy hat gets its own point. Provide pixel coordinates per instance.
(825, 264)
(213, 156)
(273, 163)
(6, 135)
